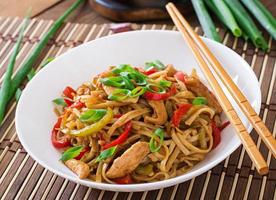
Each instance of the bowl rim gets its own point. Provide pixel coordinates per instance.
(139, 186)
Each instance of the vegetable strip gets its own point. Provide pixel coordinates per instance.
(71, 153)
(121, 139)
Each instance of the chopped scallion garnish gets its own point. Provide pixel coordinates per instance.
(155, 88)
(153, 142)
(93, 115)
(71, 153)
(164, 83)
(106, 154)
(119, 94)
(138, 91)
(156, 64)
(60, 102)
(199, 101)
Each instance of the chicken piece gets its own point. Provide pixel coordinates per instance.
(196, 86)
(170, 70)
(108, 90)
(78, 167)
(129, 160)
(84, 89)
(160, 112)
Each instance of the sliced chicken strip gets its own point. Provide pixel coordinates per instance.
(129, 160)
(78, 167)
(196, 86)
(160, 112)
(170, 70)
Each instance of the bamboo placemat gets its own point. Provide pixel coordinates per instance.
(235, 178)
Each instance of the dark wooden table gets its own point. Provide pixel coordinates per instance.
(86, 15)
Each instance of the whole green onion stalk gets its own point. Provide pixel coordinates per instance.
(7, 81)
(229, 19)
(205, 20)
(262, 15)
(247, 24)
(30, 61)
(214, 9)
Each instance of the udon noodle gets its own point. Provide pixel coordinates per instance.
(110, 132)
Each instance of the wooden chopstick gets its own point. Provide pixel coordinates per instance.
(241, 100)
(246, 140)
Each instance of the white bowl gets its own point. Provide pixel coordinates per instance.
(35, 116)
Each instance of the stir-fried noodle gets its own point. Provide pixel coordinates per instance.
(131, 125)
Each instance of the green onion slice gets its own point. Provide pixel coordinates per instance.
(126, 68)
(128, 84)
(93, 115)
(164, 83)
(138, 91)
(199, 101)
(122, 81)
(155, 88)
(130, 73)
(113, 81)
(106, 154)
(119, 94)
(123, 68)
(156, 64)
(60, 102)
(71, 153)
(153, 143)
(138, 78)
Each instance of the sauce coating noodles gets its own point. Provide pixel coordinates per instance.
(129, 126)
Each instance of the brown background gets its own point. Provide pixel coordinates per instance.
(52, 9)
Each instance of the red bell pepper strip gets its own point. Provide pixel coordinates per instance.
(178, 114)
(72, 104)
(224, 125)
(147, 72)
(69, 102)
(78, 105)
(150, 71)
(57, 124)
(118, 116)
(124, 180)
(180, 76)
(86, 149)
(59, 142)
(216, 132)
(157, 96)
(69, 92)
(121, 139)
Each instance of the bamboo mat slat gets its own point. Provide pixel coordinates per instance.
(234, 178)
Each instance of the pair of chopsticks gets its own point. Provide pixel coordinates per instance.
(201, 53)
